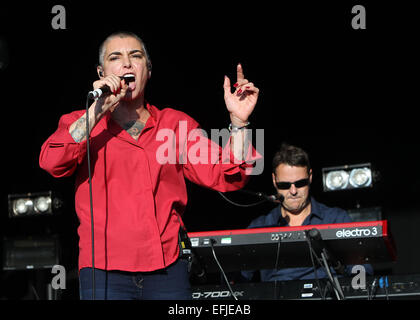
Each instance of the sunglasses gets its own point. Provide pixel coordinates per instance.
(298, 184)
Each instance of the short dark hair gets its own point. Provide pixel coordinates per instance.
(124, 34)
(292, 156)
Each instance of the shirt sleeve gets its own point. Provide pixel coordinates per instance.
(60, 154)
(209, 165)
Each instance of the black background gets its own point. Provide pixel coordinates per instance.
(346, 96)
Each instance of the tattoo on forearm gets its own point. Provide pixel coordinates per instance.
(79, 131)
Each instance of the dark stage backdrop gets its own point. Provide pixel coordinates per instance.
(346, 96)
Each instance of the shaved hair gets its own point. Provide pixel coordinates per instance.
(123, 34)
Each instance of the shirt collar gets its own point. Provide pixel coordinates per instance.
(154, 112)
(110, 125)
(315, 211)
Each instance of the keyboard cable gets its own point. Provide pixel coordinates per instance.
(221, 269)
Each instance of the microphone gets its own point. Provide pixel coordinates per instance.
(277, 198)
(280, 198)
(104, 90)
(272, 198)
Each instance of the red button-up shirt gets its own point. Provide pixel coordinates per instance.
(138, 199)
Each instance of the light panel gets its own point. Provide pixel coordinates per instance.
(347, 177)
(32, 204)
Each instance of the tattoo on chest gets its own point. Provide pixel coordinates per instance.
(134, 128)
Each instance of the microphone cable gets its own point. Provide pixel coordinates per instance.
(313, 254)
(221, 270)
(90, 196)
(324, 264)
(90, 95)
(276, 267)
(239, 204)
(264, 197)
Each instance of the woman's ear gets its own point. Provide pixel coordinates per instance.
(100, 71)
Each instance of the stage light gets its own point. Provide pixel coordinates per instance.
(42, 204)
(30, 252)
(337, 180)
(360, 178)
(20, 206)
(33, 204)
(347, 177)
